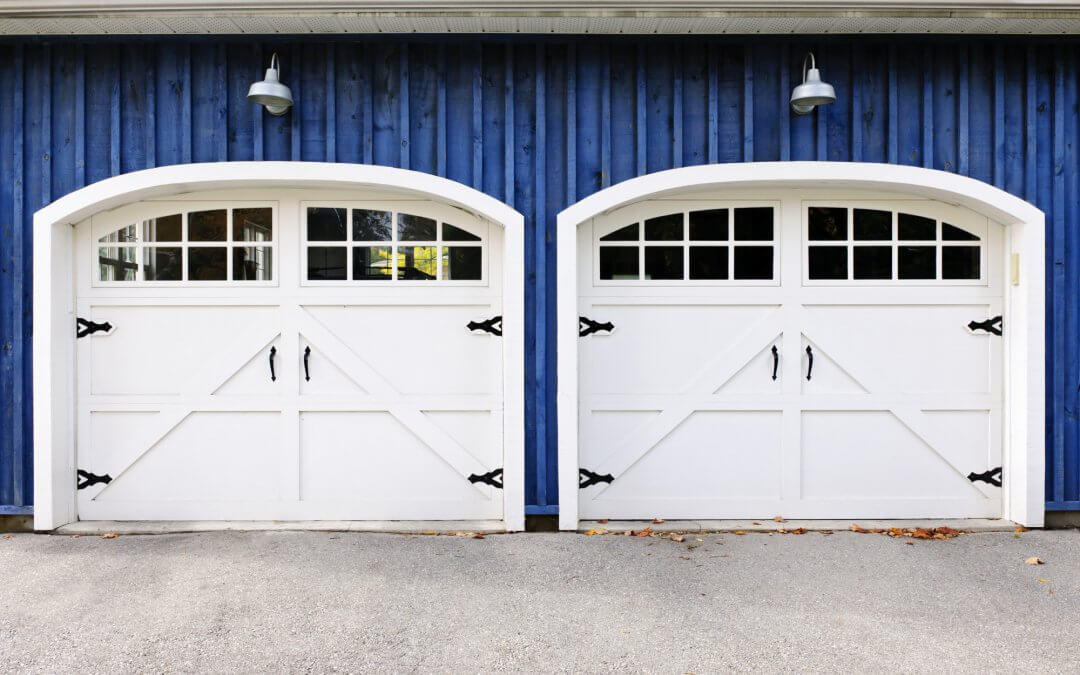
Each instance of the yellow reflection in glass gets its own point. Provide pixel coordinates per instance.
(417, 262)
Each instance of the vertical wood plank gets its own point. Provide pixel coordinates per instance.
(999, 116)
(963, 164)
(1060, 295)
(508, 126)
(640, 99)
(928, 109)
(894, 109)
(605, 118)
(571, 124)
(540, 229)
(80, 116)
(258, 114)
(677, 107)
(150, 94)
(18, 308)
(367, 88)
(478, 117)
(440, 113)
(784, 119)
(856, 115)
(46, 125)
(114, 115)
(748, 103)
(1031, 135)
(714, 105)
(331, 104)
(403, 105)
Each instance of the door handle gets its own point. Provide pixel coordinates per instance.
(273, 352)
(810, 368)
(775, 360)
(307, 355)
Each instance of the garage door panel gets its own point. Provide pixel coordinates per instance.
(915, 349)
(417, 348)
(174, 349)
(370, 456)
(734, 453)
(478, 431)
(322, 375)
(872, 455)
(756, 377)
(826, 376)
(207, 456)
(253, 378)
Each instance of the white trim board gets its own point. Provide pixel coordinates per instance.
(1023, 441)
(54, 301)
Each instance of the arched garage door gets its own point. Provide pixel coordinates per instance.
(800, 353)
(289, 355)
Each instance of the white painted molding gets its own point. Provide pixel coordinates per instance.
(54, 321)
(1023, 451)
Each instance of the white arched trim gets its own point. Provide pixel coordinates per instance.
(1023, 452)
(54, 320)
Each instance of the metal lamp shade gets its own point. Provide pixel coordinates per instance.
(812, 92)
(271, 93)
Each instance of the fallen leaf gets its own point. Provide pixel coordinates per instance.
(1016, 536)
(910, 543)
(826, 532)
(684, 557)
(855, 527)
(658, 520)
(739, 532)
(1044, 581)
(678, 539)
(754, 522)
(478, 536)
(698, 539)
(9, 536)
(595, 531)
(110, 535)
(779, 519)
(643, 533)
(1034, 560)
(602, 522)
(1020, 528)
(799, 530)
(75, 536)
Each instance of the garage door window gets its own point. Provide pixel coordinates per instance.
(872, 245)
(716, 245)
(373, 245)
(212, 245)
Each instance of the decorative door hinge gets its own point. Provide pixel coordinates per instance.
(492, 325)
(86, 479)
(991, 325)
(987, 477)
(492, 478)
(84, 327)
(587, 326)
(587, 478)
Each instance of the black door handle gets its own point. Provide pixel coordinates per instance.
(775, 360)
(307, 355)
(273, 352)
(810, 368)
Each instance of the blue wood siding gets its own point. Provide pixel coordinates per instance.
(540, 123)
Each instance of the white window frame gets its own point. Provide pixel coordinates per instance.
(135, 214)
(437, 212)
(961, 218)
(639, 213)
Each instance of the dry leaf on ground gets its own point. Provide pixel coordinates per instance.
(643, 533)
(110, 535)
(739, 532)
(9, 536)
(595, 531)
(602, 522)
(658, 520)
(779, 519)
(1034, 560)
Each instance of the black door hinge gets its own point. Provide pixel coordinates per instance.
(492, 478)
(587, 478)
(987, 477)
(86, 479)
(84, 327)
(991, 325)
(492, 325)
(587, 326)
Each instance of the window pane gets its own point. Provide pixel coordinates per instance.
(325, 224)
(873, 262)
(954, 233)
(417, 262)
(916, 262)
(163, 263)
(206, 263)
(710, 225)
(754, 224)
(619, 262)
(326, 263)
(370, 263)
(827, 223)
(753, 262)
(960, 262)
(252, 263)
(253, 224)
(628, 233)
(451, 233)
(708, 262)
(663, 262)
(207, 225)
(166, 228)
(415, 228)
(117, 263)
(124, 234)
(911, 227)
(371, 225)
(872, 225)
(828, 262)
(462, 263)
(664, 228)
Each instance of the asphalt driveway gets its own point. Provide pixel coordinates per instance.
(316, 601)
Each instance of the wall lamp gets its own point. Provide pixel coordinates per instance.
(812, 92)
(271, 93)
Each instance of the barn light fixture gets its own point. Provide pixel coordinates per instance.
(270, 92)
(812, 92)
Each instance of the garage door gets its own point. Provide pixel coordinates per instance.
(799, 355)
(289, 359)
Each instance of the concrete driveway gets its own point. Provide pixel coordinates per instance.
(317, 601)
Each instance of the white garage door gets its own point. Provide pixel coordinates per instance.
(289, 358)
(790, 355)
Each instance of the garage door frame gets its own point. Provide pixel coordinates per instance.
(54, 299)
(1024, 327)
